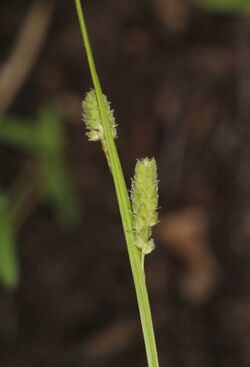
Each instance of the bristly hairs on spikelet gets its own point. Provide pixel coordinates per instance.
(93, 122)
(144, 199)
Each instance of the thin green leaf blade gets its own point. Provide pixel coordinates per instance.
(9, 269)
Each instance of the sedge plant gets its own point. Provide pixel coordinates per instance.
(138, 212)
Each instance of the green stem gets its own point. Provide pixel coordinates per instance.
(124, 206)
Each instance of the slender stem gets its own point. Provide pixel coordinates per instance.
(124, 206)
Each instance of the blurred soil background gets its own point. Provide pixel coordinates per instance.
(178, 77)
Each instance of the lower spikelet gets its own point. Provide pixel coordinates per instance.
(144, 198)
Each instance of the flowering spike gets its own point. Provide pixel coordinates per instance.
(144, 197)
(92, 118)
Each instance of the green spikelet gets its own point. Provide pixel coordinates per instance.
(92, 118)
(144, 197)
(93, 121)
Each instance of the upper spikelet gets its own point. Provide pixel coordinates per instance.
(92, 118)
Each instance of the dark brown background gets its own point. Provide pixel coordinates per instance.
(179, 81)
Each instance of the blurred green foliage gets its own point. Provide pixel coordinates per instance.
(50, 154)
(225, 6)
(9, 271)
(44, 139)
